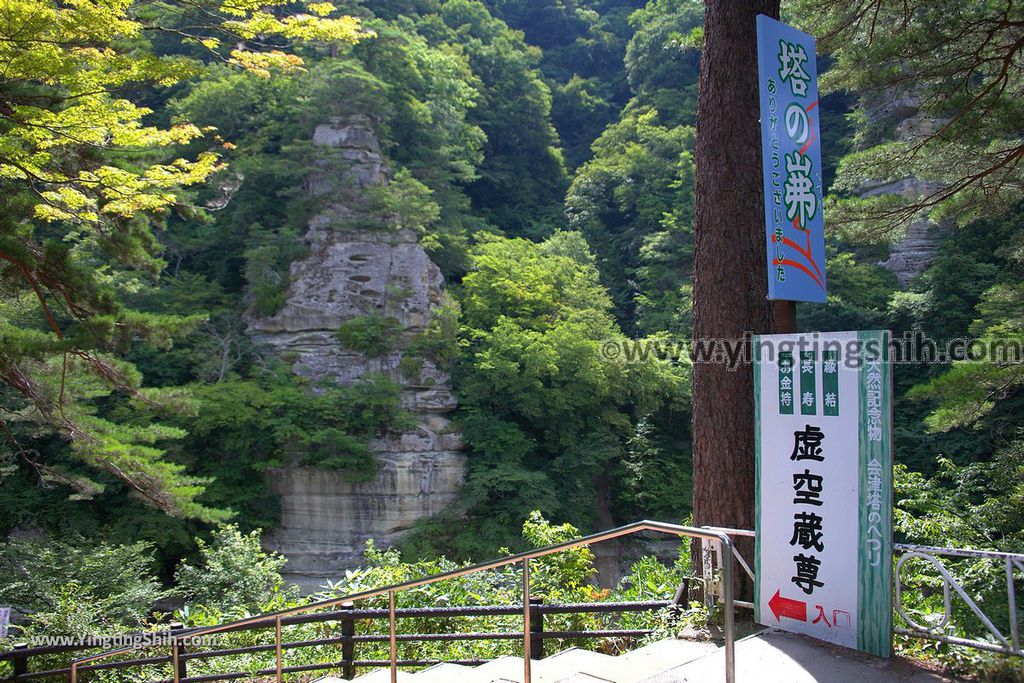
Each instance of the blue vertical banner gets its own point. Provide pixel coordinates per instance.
(791, 162)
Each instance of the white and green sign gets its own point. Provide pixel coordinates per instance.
(824, 487)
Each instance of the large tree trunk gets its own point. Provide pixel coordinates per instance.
(730, 279)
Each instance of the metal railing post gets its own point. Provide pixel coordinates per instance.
(394, 636)
(277, 646)
(526, 621)
(20, 663)
(1011, 593)
(727, 598)
(177, 649)
(175, 661)
(348, 646)
(536, 629)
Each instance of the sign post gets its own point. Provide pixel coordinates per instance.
(791, 162)
(824, 487)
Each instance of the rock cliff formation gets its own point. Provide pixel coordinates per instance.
(910, 255)
(351, 273)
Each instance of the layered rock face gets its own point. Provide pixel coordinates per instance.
(910, 255)
(350, 273)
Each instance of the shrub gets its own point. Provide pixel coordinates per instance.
(232, 573)
(373, 334)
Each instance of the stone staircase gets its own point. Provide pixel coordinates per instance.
(765, 657)
(569, 666)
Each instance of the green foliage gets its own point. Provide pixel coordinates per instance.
(557, 579)
(971, 493)
(657, 477)
(254, 232)
(233, 578)
(522, 176)
(215, 350)
(634, 203)
(546, 416)
(438, 342)
(276, 421)
(232, 572)
(582, 46)
(462, 107)
(415, 95)
(662, 63)
(374, 334)
(87, 177)
(534, 285)
(406, 202)
(133, 261)
(75, 587)
(581, 108)
(965, 70)
(859, 299)
(975, 506)
(266, 273)
(425, 123)
(634, 199)
(571, 570)
(128, 439)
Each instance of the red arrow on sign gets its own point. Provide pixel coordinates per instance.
(786, 607)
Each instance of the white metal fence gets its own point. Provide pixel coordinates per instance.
(956, 574)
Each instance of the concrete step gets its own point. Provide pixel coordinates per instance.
(574, 665)
(500, 669)
(380, 676)
(572, 662)
(444, 673)
(559, 667)
(646, 661)
(767, 657)
(778, 657)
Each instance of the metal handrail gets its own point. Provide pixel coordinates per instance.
(348, 616)
(1007, 644)
(745, 533)
(726, 548)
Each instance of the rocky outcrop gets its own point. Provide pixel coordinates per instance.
(326, 519)
(911, 254)
(349, 273)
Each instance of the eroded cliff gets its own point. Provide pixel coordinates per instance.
(349, 273)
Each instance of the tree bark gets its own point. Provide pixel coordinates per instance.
(730, 276)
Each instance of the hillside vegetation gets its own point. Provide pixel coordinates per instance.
(153, 160)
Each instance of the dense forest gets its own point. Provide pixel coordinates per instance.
(155, 161)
